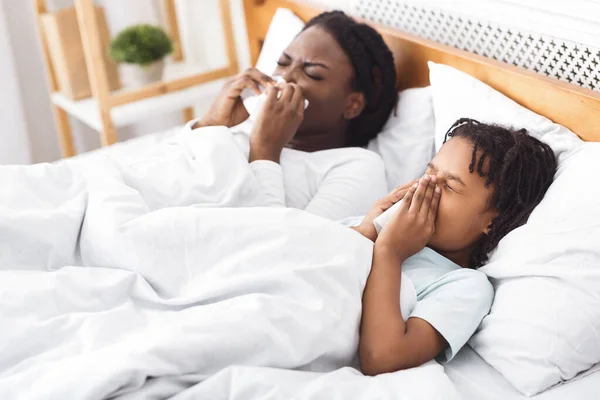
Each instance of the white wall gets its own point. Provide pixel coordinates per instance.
(574, 20)
(344, 5)
(14, 141)
(31, 79)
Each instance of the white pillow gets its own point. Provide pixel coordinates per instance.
(284, 27)
(544, 326)
(457, 95)
(406, 143)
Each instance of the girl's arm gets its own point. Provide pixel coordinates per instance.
(387, 342)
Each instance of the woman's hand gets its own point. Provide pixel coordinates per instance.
(411, 227)
(366, 227)
(227, 109)
(277, 122)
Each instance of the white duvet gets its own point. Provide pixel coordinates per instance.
(139, 280)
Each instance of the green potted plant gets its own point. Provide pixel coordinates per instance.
(141, 50)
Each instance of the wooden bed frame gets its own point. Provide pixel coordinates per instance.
(570, 105)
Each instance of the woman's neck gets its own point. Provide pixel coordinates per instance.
(316, 141)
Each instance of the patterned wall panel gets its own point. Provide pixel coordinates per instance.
(554, 57)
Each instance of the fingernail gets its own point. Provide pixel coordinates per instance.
(427, 177)
(433, 178)
(415, 185)
(437, 189)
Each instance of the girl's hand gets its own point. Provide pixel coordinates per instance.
(366, 227)
(277, 122)
(411, 227)
(227, 109)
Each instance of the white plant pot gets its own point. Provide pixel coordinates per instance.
(136, 76)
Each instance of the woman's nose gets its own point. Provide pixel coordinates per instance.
(290, 75)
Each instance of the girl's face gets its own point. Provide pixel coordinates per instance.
(316, 62)
(464, 214)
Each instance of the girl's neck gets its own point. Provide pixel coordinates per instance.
(460, 257)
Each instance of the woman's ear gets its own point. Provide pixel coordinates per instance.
(355, 105)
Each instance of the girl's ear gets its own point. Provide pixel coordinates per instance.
(487, 229)
(355, 105)
(493, 215)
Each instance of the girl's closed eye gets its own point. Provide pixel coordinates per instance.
(449, 187)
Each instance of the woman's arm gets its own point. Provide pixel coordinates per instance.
(350, 186)
(277, 123)
(227, 108)
(387, 342)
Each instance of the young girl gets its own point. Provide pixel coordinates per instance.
(484, 182)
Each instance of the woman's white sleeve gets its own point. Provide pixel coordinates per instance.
(350, 188)
(270, 176)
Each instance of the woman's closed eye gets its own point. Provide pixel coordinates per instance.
(313, 76)
(310, 74)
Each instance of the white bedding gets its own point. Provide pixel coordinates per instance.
(476, 380)
(166, 288)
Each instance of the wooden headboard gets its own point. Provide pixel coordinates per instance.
(575, 107)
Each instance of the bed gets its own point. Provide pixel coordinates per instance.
(475, 379)
(569, 105)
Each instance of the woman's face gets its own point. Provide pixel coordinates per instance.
(464, 212)
(317, 63)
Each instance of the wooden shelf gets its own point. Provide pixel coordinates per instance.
(88, 111)
(184, 85)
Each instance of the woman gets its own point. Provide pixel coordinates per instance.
(346, 72)
(484, 182)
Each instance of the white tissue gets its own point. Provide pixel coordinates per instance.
(254, 102)
(383, 219)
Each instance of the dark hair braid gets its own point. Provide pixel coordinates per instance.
(520, 167)
(375, 73)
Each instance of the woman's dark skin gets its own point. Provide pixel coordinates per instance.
(315, 68)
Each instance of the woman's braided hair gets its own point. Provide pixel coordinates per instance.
(520, 168)
(375, 73)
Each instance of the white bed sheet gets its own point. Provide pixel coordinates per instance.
(472, 376)
(168, 266)
(123, 150)
(477, 380)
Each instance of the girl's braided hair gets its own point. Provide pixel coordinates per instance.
(521, 169)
